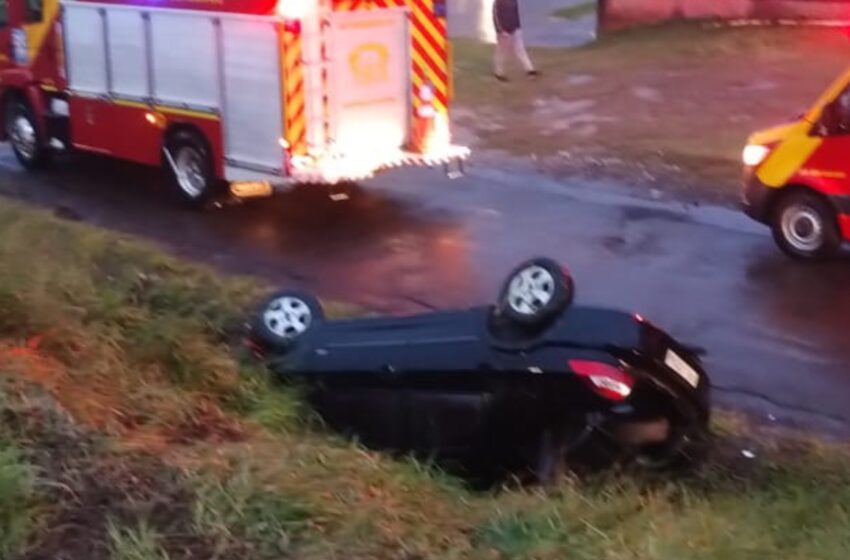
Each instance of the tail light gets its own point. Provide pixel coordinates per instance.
(609, 382)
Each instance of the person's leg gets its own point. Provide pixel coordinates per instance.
(500, 54)
(521, 53)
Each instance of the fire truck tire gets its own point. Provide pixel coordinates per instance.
(23, 134)
(804, 226)
(189, 163)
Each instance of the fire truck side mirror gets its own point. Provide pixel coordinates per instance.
(835, 117)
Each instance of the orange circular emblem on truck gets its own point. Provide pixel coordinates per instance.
(369, 63)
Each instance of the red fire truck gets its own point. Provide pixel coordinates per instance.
(250, 94)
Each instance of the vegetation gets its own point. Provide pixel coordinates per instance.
(16, 497)
(139, 543)
(577, 11)
(131, 426)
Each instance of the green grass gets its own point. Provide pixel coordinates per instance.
(17, 492)
(240, 469)
(134, 543)
(576, 11)
(239, 509)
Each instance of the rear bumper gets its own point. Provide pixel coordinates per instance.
(333, 169)
(691, 400)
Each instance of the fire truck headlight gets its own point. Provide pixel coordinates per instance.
(755, 154)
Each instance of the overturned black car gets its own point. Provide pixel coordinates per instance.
(526, 385)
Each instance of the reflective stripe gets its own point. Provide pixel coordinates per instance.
(294, 94)
(791, 154)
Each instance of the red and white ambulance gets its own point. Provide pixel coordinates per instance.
(249, 94)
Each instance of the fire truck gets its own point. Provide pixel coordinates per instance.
(245, 95)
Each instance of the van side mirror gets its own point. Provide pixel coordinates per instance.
(833, 119)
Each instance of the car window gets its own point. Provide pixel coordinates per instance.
(4, 12)
(842, 113)
(35, 10)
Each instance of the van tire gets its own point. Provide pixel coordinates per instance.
(189, 163)
(23, 134)
(805, 227)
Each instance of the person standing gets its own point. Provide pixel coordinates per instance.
(509, 37)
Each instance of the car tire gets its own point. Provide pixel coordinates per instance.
(804, 226)
(24, 136)
(536, 292)
(284, 317)
(189, 163)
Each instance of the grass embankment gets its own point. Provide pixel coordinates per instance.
(130, 429)
(669, 107)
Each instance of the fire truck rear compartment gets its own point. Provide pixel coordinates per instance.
(134, 71)
(142, 69)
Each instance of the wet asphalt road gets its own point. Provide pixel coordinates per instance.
(473, 18)
(776, 331)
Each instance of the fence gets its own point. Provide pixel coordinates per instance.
(618, 14)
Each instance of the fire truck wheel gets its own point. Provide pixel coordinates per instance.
(191, 168)
(804, 226)
(24, 136)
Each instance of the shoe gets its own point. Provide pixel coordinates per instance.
(532, 74)
(501, 78)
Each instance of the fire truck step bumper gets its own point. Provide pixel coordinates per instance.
(345, 170)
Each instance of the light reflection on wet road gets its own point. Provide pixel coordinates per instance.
(413, 239)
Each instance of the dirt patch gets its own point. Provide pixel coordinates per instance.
(673, 106)
(92, 486)
(105, 405)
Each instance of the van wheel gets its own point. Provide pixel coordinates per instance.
(804, 227)
(190, 164)
(23, 134)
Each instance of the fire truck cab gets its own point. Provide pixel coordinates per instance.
(250, 94)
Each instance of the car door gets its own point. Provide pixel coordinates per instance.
(828, 168)
(370, 410)
(446, 417)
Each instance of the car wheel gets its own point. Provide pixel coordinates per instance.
(190, 164)
(804, 227)
(284, 317)
(23, 134)
(535, 292)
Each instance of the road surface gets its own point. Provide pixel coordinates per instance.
(473, 18)
(776, 330)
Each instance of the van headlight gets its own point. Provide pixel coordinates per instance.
(754, 154)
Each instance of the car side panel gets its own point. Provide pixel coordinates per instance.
(827, 170)
(373, 414)
(447, 423)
